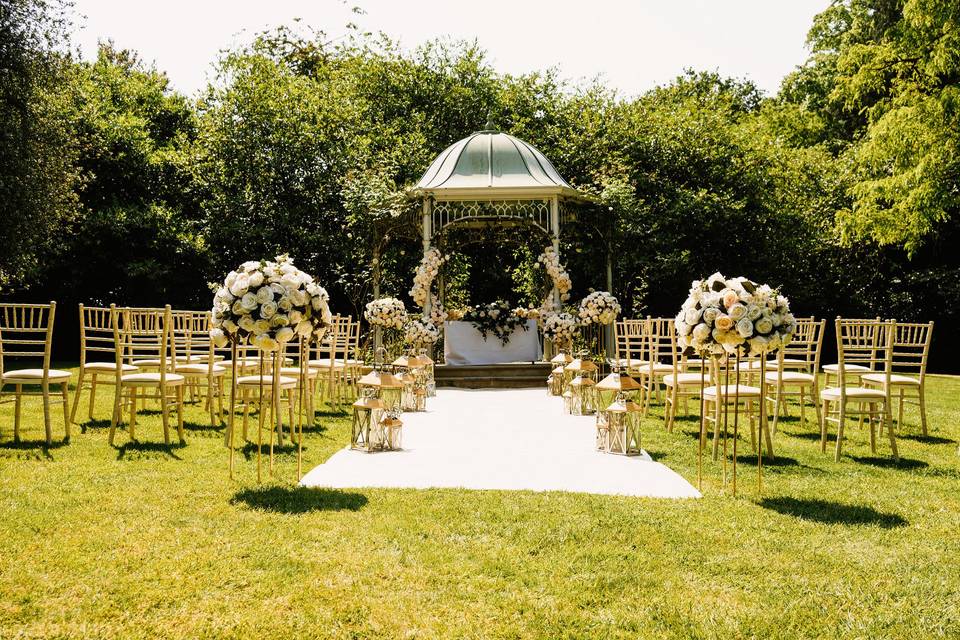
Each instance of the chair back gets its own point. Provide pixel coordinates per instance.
(143, 333)
(96, 334)
(26, 331)
(632, 342)
(866, 343)
(660, 339)
(911, 347)
(806, 344)
(190, 337)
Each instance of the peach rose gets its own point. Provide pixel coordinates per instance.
(723, 322)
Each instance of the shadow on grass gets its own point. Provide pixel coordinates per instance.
(201, 426)
(803, 435)
(904, 464)
(249, 449)
(39, 448)
(135, 446)
(296, 500)
(778, 461)
(95, 423)
(827, 512)
(919, 437)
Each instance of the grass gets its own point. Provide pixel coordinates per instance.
(142, 540)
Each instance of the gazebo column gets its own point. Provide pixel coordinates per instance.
(427, 235)
(555, 228)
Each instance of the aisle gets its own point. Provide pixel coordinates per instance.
(500, 439)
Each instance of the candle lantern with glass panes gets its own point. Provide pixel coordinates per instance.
(367, 433)
(623, 426)
(429, 373)
(555, 381)
(583, 390)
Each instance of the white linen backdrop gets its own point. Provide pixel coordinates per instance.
(464, 345)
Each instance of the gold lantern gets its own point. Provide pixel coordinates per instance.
(580, 367)
(623, 426)
(428, 373)
(568, 401)
(583, 390)
(555, 381)
(387, 387)
(367, 434)
(607, 390)
(411, 370)
(391, 427)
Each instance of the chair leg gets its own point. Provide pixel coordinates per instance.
(823, 426)
(716, 429)
(45, 391)
(76, 398)
(900, 409)
(133, 413)
(803, 407)
(93, 396)
(16, 414)
(115, 418)
(873, 434)
(164, 415)
(921, 396)
(66, 410)
(842, 416)
(183, 440)
(890, 432)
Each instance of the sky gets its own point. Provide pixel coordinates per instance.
(632, 45)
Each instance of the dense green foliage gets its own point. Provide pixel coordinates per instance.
(842, 188)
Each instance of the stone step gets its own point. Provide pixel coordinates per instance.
(493, 376)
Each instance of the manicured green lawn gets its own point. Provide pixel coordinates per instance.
(143, 541)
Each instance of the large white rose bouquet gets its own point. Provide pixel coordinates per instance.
(600, 307)
(420, 334)
(388, 313)
(733, 315)
(438, 315)
(558, 326)
(558, 275)
(269, 302)
(498, 318)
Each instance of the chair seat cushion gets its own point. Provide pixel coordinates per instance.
(241, 362)
(794, 377)
(108, 366)
(684, 379)
(200, 369)
(149, 379)
(731, 390)
(254, 381)
(895, 379)
(848, 368)
(854, 393)
(788, 363)
(632, 363)
(295, 372)
(34, 376)
(148, 362)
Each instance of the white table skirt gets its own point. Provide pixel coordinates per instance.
(463, 344)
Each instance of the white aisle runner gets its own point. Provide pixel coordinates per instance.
(500, 439)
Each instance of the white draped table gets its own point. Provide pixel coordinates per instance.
(463, 344)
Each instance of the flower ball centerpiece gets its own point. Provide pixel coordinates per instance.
(559, 327)
(421, 334)
(388, 313)
(600, 307)
(734, 316)
(270, 303)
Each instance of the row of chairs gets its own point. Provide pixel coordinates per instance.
(879, 362)
(162, 355)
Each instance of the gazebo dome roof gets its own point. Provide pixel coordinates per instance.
(489, 163)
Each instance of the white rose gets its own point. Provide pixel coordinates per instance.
(238, 309)
(279, 320)
(229, 326)
(745, 327)
(256, 279)
(284, 334)
(763, 325)
(264, 294)
(701, 332)
(303, 328)
(246, 323)
(240, 285)
(261, 326)
(267, 343)
(268, 309)
(738, 311)
(285, 303)
(295, 317)
(249, 302)
(218, 337)
(710, 315)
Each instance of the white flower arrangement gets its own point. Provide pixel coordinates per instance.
(600, 307)
(270, 303)
(438, 315)
(558, 326)
(734, 315)
(421, 334)
(497, 318)
(558, 275)
(426, 273)
(389, 313)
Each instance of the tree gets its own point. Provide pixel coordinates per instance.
(36, 151)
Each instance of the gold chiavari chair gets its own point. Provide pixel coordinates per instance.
(145, 335)
(723, 392)
(353, 364)
(96, 341)
(26, 331)
(659, 336)
(680, 383)
(911, 348)
(872, 403)
(869, 337)
(295, 351)
(632, 344)
(332, 354)
(802, 380)
(197, 361)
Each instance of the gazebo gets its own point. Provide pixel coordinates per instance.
(493, 178)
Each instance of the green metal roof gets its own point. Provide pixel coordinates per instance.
(488, 162)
